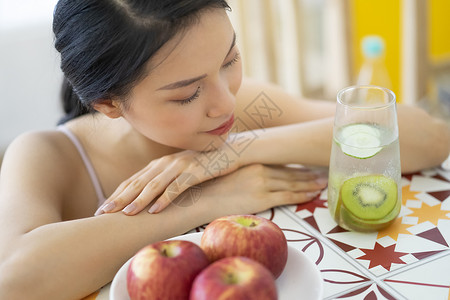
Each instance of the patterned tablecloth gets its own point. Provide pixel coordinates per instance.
(408, 260)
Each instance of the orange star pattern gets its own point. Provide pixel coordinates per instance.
(407, 194)
(395, 229)
(429, 213)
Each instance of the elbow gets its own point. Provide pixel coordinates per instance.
(440, 148)
(430, 149)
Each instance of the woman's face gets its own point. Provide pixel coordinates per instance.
(187, 100)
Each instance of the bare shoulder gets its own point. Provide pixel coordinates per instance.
(39, 151)
(41, 162)
(37, 170)
(264, 104)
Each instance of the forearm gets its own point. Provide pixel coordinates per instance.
(307, 143)
(424, 142)
(72, 259)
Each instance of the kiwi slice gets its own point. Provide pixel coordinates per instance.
(370, 197)
(354, 223)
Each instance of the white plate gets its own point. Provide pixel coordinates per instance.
(300, 277)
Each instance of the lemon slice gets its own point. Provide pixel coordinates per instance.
(360, 140)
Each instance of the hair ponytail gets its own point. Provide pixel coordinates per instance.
(71, 103)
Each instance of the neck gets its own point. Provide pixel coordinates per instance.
(116, 140)
(136, 146)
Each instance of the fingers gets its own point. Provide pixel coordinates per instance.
(166, 181)
(275, 184)
(278, 179)
(286, 172)
(289, 197)
(127, 192)
(110, 204)
(169, 184)
(147, 195)
(130, 181)
(135, 197)
(183, 182)
(169, 193)
(164, 176)
(293, 186)
(134, 194)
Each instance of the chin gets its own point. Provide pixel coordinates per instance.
(202, 142)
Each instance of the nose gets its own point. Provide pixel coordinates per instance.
(221, 101)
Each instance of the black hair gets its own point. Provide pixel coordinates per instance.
(105, 44)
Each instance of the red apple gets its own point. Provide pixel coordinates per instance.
(165, 270)
(234, 278)
(246, 235)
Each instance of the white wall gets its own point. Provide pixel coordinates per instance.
(30, 78)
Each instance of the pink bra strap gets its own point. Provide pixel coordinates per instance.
(87, 162)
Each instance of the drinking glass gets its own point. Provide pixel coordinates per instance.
(364, 191)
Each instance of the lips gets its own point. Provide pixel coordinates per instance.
(224, 128)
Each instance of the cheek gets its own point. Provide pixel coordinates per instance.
(179, 120)
(180, 123)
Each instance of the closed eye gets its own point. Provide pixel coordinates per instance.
(235, 59)
(190, 99)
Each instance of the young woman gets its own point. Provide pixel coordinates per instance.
(164, 80)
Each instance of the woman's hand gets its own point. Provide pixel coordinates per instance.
(255, 188)
(164, 179)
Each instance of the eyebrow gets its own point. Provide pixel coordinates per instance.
(186, 82)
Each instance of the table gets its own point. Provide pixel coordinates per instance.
(408, 260)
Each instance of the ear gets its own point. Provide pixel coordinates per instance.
(110, 108)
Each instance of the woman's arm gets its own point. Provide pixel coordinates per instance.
(262, 104)
(307, 143)
(39, 248)
(69, 259)
(424, 140)
(275, 127)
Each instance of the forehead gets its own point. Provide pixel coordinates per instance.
(189, 54)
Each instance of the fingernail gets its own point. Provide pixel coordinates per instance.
(109, 207)
(129, 208)
(99, 211)
(154, 208)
